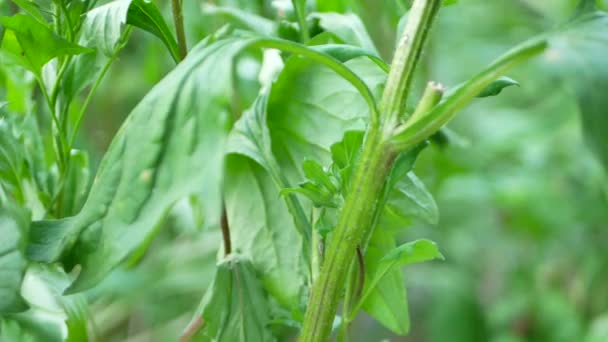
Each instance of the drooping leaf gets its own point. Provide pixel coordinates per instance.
(32, 44)
(103, 26)
(145, 15)
(250, 136)
(170, 147)
(348, 27)
(383, 297)
(578, 53)
(262, 229)
(234, 307)
(103, 29)
(497, 86)
(14, 226)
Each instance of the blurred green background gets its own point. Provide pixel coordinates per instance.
(523, 202)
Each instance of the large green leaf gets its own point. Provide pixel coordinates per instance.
(578, 54)
(170, 147)
(234, 307)
(384, 295)
(32, 44)
(14, 225)
(262, 229)
(310, 107)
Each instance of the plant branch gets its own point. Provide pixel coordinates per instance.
(417, 129)
(178, 20)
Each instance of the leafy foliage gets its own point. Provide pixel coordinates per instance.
(270, 152)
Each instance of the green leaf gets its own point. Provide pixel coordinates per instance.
(170, 147)
(406, 196)
(411, 252)
(52, 316)
(344, 152)
(387, 301)
(103, 29)
(31, 8)
(315, 173)
(408, 199)
(497, 86)
(103, 26)
(234, 307)
(32, 44)
(310, 108)
(145, 15)
(348, 27)
(250, 136)
(383, 297)
(262, 229)
(320, 197)
(14, 225)
(242, 19)
(578, 53)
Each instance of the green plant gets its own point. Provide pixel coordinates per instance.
(307, 173)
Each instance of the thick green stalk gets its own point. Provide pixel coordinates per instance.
(355, 218)
(372, 169)
(407, 55)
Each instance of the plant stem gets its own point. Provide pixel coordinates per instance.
(226, 232)
(407, 55)
(299, 7)
(355, 218)
(178, 20)
(96, 85)
(373, 167)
